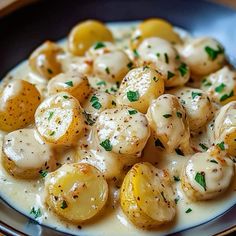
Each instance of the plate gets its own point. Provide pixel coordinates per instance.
(25, 29)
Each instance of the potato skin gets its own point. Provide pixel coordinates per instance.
(85, 34)
(76, 192)
(44, 60)
(19, 100)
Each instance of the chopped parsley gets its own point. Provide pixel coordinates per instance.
(179, 152)
(132, 112)
(50, 115)
(66, 97)
(95, 102)
(107, 70)
(200, 179)
(158, 54)
(220, 88)
(36, 213)
(133, 96)
(166, 58)
(183, 69)
(226, 96)
(113, 103)
(99, 45)
(214, 161)
(177, 57)
(158, 143)
(101, 83)
(130, 65)
(170, 75)
(64, 204)
(43, 173)
(206, 83)
(221, 145)
(135, 53)
(69, 83)
(196, 94)
(212, 53)
(176, 200)
(188, 210)
(88, 118)
(106, 144)
(52, 133)
(179, 114)
(176, 178)
(167, 115)
(204, 147)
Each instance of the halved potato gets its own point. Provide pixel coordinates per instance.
(76, 192)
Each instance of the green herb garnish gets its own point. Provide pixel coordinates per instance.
(176, 178)
(158, 143)
(212, 53)
(133, 96)
(166, 58)
(188, 210)
(101, 83)
(106, 144)
(99, 45)
(50, 115)
(221, 145)
(88, 118)
(226, 96)
(36, 213)
(64, 204)
(179, 114)
(196, 94)
(135, 53)
(69, 83)
(200, 179)
(170, 75)
(179, 152)
(214, 161)
(132, 112)
(203, 146)
(167, 115)
(43, 173)
(183, 69)
(220, 88)
(107, 70)
(130, 65)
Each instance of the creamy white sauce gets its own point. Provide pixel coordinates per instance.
(25, 194)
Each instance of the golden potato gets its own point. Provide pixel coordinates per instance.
(147, 197)
(225, 128)
(154, 27)
(139, 87)
(72, 82)
(85, 34)
(26, 156)
(76, 192)
(19, 100)
(168, 121)
(59, 119)
(44, 60)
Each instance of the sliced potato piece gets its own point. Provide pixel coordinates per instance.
(147, 196)
(59, 119)
(168, 121)
(26, 156)
(225, 128)
(72, 82)
(122, 130)
(203, 55)
(112, 66)
(163, 57)
(154, 27)
(207, 175)
(18, 101)
(44, 60)
(139, 87)
(85, 34)
(76, 192)
(197, 104)
(221, 85)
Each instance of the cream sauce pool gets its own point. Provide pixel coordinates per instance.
(25, 194)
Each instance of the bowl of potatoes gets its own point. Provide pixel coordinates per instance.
(118, 122)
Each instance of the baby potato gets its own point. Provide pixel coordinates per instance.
(100, 48)
(112, 66)
(85, 34)
(139, 87)
(26, 156)
(163, 57)
(197, 104)
(98, 102)
(122, 130)
(59, 119)
(221, 85)
(168, 121)
(147, 196)
(203, 55)
(72, 82)
(154, 28)
(44, 60)
(18, 101)
(207, 175)
(76, 192)
(225, 128)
